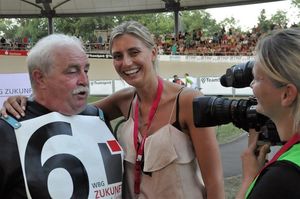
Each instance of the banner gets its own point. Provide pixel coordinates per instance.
(212, 86)
(14, 52)
(106, 87)
(209, 59)
(101, 87)
(99, 55)
(14, 84)
(69, 157)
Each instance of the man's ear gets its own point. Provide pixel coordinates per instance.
(289, 95)
(39, 78)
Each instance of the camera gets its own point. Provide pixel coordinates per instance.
(238, 76)
(213, 111)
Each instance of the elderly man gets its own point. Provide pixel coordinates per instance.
(61, 148)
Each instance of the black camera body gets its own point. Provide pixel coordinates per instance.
(213, 111)
(238, 76)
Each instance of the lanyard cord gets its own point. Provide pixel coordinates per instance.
(295, 139)
(140, 147)
(284, 148)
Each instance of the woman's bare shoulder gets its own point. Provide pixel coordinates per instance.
(190, 93)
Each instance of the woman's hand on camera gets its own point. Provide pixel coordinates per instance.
(253, 159)
(15, 105)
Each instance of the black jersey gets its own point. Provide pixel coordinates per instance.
(12, 183)
(279, 180)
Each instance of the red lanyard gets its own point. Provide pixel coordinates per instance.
(284, 148)
(140, 148)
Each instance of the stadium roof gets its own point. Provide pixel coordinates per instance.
(68, 8)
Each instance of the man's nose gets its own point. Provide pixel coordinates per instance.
(83, 78)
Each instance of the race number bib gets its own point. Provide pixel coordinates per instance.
(69, 157)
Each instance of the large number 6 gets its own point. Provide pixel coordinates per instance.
(37, 174)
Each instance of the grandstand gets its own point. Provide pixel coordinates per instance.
(204, 59)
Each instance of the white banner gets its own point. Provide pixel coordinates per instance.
(208, 85)
(210, 59)
(101, 87)
(14, 84)
(212, 86)
(69, 157)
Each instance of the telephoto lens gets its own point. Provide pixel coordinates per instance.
(215, 111)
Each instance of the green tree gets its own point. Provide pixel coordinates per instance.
(230, 23)
(263, 23)
(157, 23)
(33, 28)
(65, 25)
(8, 28)
(199, 19)
(160, 23)
(83, 26)
(296, 3)
(20, 28)
(280, 19)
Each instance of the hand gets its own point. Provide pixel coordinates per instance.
(14, 105)
(253, 159)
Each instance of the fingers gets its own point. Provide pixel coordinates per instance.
(23, 103)
(6, 108)
(252, 139)
(3, 112)
(259, 151)
(12, 106)
(263, 151)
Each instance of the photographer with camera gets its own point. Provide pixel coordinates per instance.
(271, 118)
(276, 86)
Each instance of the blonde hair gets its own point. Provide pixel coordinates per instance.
(279, 55)
(137, 30)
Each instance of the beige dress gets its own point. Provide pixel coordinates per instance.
(169, 157)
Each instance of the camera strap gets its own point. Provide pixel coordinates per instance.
(139, 147)
(295, 139)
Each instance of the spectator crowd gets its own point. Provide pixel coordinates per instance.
(222, 43)
(15, 44)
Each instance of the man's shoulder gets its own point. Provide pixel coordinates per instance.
(91, 110)
(6, 133)
(9, 121)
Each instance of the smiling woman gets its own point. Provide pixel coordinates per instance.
(155, 123)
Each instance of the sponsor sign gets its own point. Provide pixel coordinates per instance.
(212, 86)
(14, 52)
(209, 59)
(14, 84)
(101, 87)
(99, 55)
